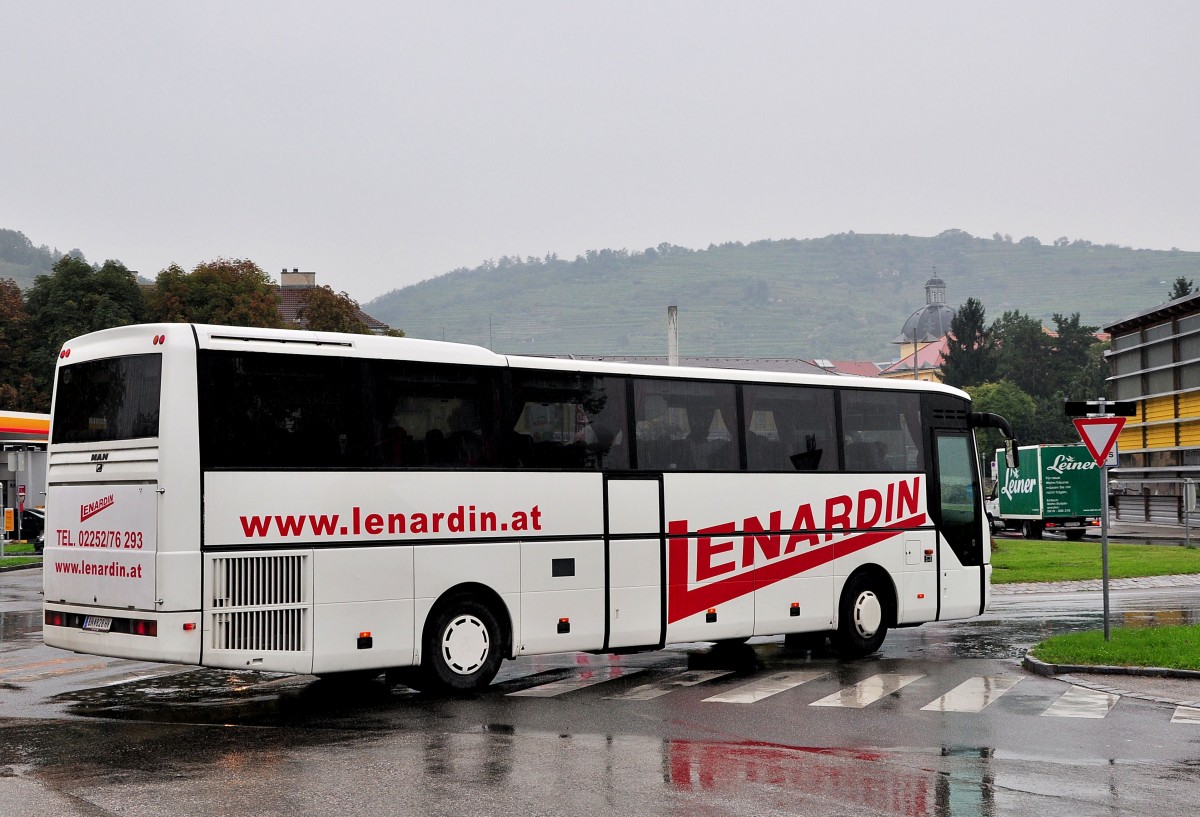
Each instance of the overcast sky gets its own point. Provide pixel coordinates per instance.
(382, 143)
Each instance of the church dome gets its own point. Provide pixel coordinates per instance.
(927, 324)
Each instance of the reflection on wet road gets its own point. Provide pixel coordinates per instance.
(942, 722)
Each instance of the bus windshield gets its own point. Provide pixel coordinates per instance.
(110, 399)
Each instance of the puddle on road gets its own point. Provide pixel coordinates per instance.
(1157, 618)
(207, 696)
(20, 628)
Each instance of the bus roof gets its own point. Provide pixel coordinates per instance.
(299, 341)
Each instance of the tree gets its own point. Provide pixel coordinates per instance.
(1182, 288)
(970, 357)
(1023, 349)
(73, 300)
(1069, 349)
(1091, 381)
(1010, 402)
(224, 292)
(17, 389)
(324, 310)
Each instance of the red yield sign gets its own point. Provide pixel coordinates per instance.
(1099, 434)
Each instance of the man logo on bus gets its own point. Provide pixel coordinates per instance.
(714, 570)
(89, 510)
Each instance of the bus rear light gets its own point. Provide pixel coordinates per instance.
(564, 625)
(188, 626)
(711, 616)
(795, 611)
(55, 618)
(160, 339)
(365, 642)
(141, 626)
(64, 354)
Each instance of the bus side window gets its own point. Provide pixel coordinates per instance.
(290, 411)
(568, 420)
(686, 425)
(790, 428)
(433, 415)
(882, 431)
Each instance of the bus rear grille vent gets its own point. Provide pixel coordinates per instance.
(948, 415)
(258, 581)
(259, 630)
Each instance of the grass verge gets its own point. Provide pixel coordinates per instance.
(1017, 560)
(1175, 647)
(19, 553)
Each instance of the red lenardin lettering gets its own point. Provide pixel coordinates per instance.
(716, 570)
(89, 510)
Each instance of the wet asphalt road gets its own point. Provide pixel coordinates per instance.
(79, 737)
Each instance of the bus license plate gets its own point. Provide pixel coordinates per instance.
(101, 624)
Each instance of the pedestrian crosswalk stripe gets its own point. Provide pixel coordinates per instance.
(585, 679)
(1186, 714)
(973, 694)
(764, 688)
(1078, 702)
(868, 691)
(646, 692)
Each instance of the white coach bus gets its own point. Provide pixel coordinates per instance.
(321, 503)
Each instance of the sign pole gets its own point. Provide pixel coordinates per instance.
(1099, 431)
(1104, 542)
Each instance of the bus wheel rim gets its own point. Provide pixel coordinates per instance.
(465, 644)
(868, 614)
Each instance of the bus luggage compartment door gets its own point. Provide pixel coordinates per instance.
(635, 562)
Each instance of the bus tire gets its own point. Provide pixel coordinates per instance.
(863, 614)
(463, 647)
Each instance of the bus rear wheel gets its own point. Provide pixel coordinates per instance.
(862, 617)
(463, 647)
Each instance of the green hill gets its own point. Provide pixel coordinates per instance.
(842, 296)
(21, 261)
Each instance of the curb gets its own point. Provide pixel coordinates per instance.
(1064, 672)
(12, 568)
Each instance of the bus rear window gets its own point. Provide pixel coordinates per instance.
(111, 399)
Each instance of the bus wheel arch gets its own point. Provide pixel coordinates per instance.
(866, 610)
(467, 635)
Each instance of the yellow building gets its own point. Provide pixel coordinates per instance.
(1155, 360)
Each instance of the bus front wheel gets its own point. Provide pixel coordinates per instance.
(463, 647)
(862, 617)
